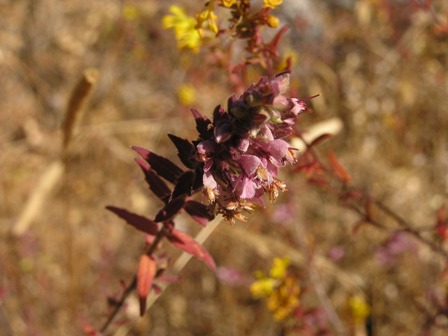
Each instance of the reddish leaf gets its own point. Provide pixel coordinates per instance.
(319, 139)
(147, 268)
(276, 40)
(139, 222)
(162, 166)
(186, 243)
(199, 212)
(320, 182)
(338, 169)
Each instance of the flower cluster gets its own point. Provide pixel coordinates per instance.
(241, 150)
(192, 32)
(279, 287)
(234, 161)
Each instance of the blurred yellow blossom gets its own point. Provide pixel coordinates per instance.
(207, 20)
(130, 13)
(279, 268)
(262, 287)
(284, 299)
(272, 3)
(359, 309)
(273, 21)
(228, 3)
(280, 288)
(184, 27)
(186, 94)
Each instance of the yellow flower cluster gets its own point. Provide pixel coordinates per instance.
(207, 20)
(130, 13)
(190, 31)
(186, 94)
(281, 289)
(184, 27)
(228, 3)
(272, 3)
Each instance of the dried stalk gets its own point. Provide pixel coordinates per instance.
(76, 103)
(55, 170)
(35, 204)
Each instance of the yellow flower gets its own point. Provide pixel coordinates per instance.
(262, 287)
(284, 299)
(359, 309)
(228, 3)
(293, 57)
(186, 94)
(280, 288)
(130, 13)
(272, 3)
(207, 20)
(184, 27)
(272, 21)
(279, 268)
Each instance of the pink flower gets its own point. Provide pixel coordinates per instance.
(239, 152)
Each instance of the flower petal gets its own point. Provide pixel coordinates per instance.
(249, 163)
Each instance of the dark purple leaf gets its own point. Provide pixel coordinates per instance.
(184, 184)
(170, 209)
(186, 243)
(156, 184)
(198, 182)
(218, 113)
(162, 166)
(202, 124)
(199, 212)
(185, 151)
(139, 222)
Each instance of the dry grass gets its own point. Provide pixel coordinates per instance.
(383, 74)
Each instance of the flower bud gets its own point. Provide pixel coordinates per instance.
(272, 21)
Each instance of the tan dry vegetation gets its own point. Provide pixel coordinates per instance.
(382, 71)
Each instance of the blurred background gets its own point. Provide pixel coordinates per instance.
(380, 68)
